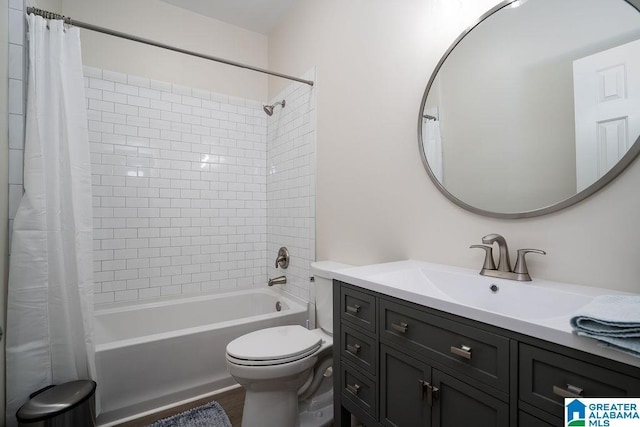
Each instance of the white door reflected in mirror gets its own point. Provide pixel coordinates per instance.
(607, 109)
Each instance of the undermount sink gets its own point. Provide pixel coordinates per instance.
(514, 299)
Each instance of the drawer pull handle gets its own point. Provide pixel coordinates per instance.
(355, 389)
(570, 391)
(402, 327)
(354, 349)
(462, 351)
(355, 309)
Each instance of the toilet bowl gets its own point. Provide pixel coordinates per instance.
(286, 370)
(274, 378)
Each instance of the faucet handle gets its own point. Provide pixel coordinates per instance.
(521, 264)
(489, 264)
(282, 260)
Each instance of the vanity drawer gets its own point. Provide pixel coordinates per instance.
(470, 351)
(360, 349)
(359, 389)
(358, 308)
(545, 375)
(527, 420)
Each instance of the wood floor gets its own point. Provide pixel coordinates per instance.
(232, 402)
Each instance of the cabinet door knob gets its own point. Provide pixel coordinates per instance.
(402, 327)
(355, 389)
(353, 309)
(569, 391)
(462, 351)
(354, 349)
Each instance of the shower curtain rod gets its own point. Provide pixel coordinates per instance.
(67, 20)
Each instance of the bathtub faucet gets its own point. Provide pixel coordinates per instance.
(280, 280)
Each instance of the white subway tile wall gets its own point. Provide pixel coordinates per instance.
(291, 185)
(16, 106)
(179, 188)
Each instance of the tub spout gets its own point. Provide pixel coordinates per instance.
(280, 280)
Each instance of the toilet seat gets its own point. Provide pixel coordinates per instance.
(273, 346)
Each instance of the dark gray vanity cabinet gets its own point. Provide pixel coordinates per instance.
(402, 364)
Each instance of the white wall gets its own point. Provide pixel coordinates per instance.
(165, 23)
(374, 199)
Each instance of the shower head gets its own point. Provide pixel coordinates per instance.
(269, 108)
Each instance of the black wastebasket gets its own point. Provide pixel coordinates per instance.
(70, 404)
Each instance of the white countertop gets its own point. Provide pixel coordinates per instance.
(553, 329)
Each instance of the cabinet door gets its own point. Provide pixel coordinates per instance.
(402, 394)
(458, 404)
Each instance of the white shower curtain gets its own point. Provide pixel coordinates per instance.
(50, 299)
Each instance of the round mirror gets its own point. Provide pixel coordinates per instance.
(535, 107)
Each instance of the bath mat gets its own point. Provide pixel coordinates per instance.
(208, 415)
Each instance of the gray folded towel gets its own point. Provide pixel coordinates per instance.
(614, 320)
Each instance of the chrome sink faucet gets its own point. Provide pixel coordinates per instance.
(504, 271)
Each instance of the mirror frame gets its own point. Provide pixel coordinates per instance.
(622, 164)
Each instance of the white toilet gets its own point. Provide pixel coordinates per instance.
(285, 369)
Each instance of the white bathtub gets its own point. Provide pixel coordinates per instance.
(153, 355)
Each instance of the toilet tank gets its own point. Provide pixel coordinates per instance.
(323, 283)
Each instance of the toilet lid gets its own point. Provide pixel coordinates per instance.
(281, 342)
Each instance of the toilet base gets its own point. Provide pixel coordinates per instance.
(317, 411)
(284, 409)
(270, 408)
